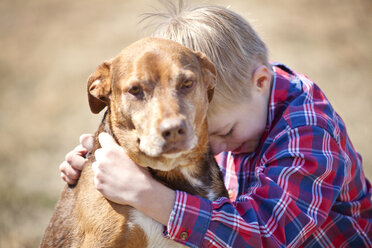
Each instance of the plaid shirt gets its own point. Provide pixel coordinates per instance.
(303, 186)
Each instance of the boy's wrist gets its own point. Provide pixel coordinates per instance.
(156, 201)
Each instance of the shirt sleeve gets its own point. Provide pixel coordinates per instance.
(297, 181)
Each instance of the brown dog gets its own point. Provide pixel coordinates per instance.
(157, 93)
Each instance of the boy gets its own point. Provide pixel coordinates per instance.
(293, 175)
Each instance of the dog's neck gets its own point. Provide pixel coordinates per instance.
(202, 178)
(199, 175)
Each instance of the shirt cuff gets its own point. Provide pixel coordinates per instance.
(189, 219)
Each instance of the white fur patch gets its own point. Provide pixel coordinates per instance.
(98, 81)
(152, 145)
(153, 231)
(211, 196)
(169, 123)
(195, 182)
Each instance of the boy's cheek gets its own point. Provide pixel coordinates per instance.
(217, 146)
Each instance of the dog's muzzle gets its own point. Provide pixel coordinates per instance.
(172, 138)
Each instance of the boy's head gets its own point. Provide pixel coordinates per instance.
(238, 112)
(225, 37)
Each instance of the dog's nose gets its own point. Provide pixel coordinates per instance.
(175, 133)
(173, 130)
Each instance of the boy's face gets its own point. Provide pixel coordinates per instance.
(239, 128)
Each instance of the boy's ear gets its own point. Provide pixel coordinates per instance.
(209, 73)
(261, 78)
(99, 87)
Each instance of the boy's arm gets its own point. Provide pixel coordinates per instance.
(295, 189)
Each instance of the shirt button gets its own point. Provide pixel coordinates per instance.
(231, 193)
(184, 236)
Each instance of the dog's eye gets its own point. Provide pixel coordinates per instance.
(135, 91)
(187, 84)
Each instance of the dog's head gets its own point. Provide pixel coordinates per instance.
(157, 93)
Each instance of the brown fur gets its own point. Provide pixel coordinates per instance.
(167, 119)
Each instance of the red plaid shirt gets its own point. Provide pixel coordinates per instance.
(303, 186)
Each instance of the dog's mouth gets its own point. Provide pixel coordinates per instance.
(173, 149)
(174, 153)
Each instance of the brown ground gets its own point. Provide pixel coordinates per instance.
(50, 47)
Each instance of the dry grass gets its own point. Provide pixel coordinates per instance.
(50, 47)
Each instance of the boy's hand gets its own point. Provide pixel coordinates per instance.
(121, 180)
(117, 177)
(75, 159)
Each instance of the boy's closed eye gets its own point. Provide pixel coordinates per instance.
(223, 131)
(227, 133)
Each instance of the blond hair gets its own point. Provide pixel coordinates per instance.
(224, 36)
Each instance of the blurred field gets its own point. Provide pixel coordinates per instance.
(48, 49)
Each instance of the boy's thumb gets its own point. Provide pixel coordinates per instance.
(106, 140)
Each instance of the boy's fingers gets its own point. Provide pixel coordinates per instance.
(69, 171)
(76, 161)
(87, 141)
(78, 150)
(106, 140)
(68, 180)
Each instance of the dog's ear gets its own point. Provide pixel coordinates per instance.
(209, 73)
(99, 87)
